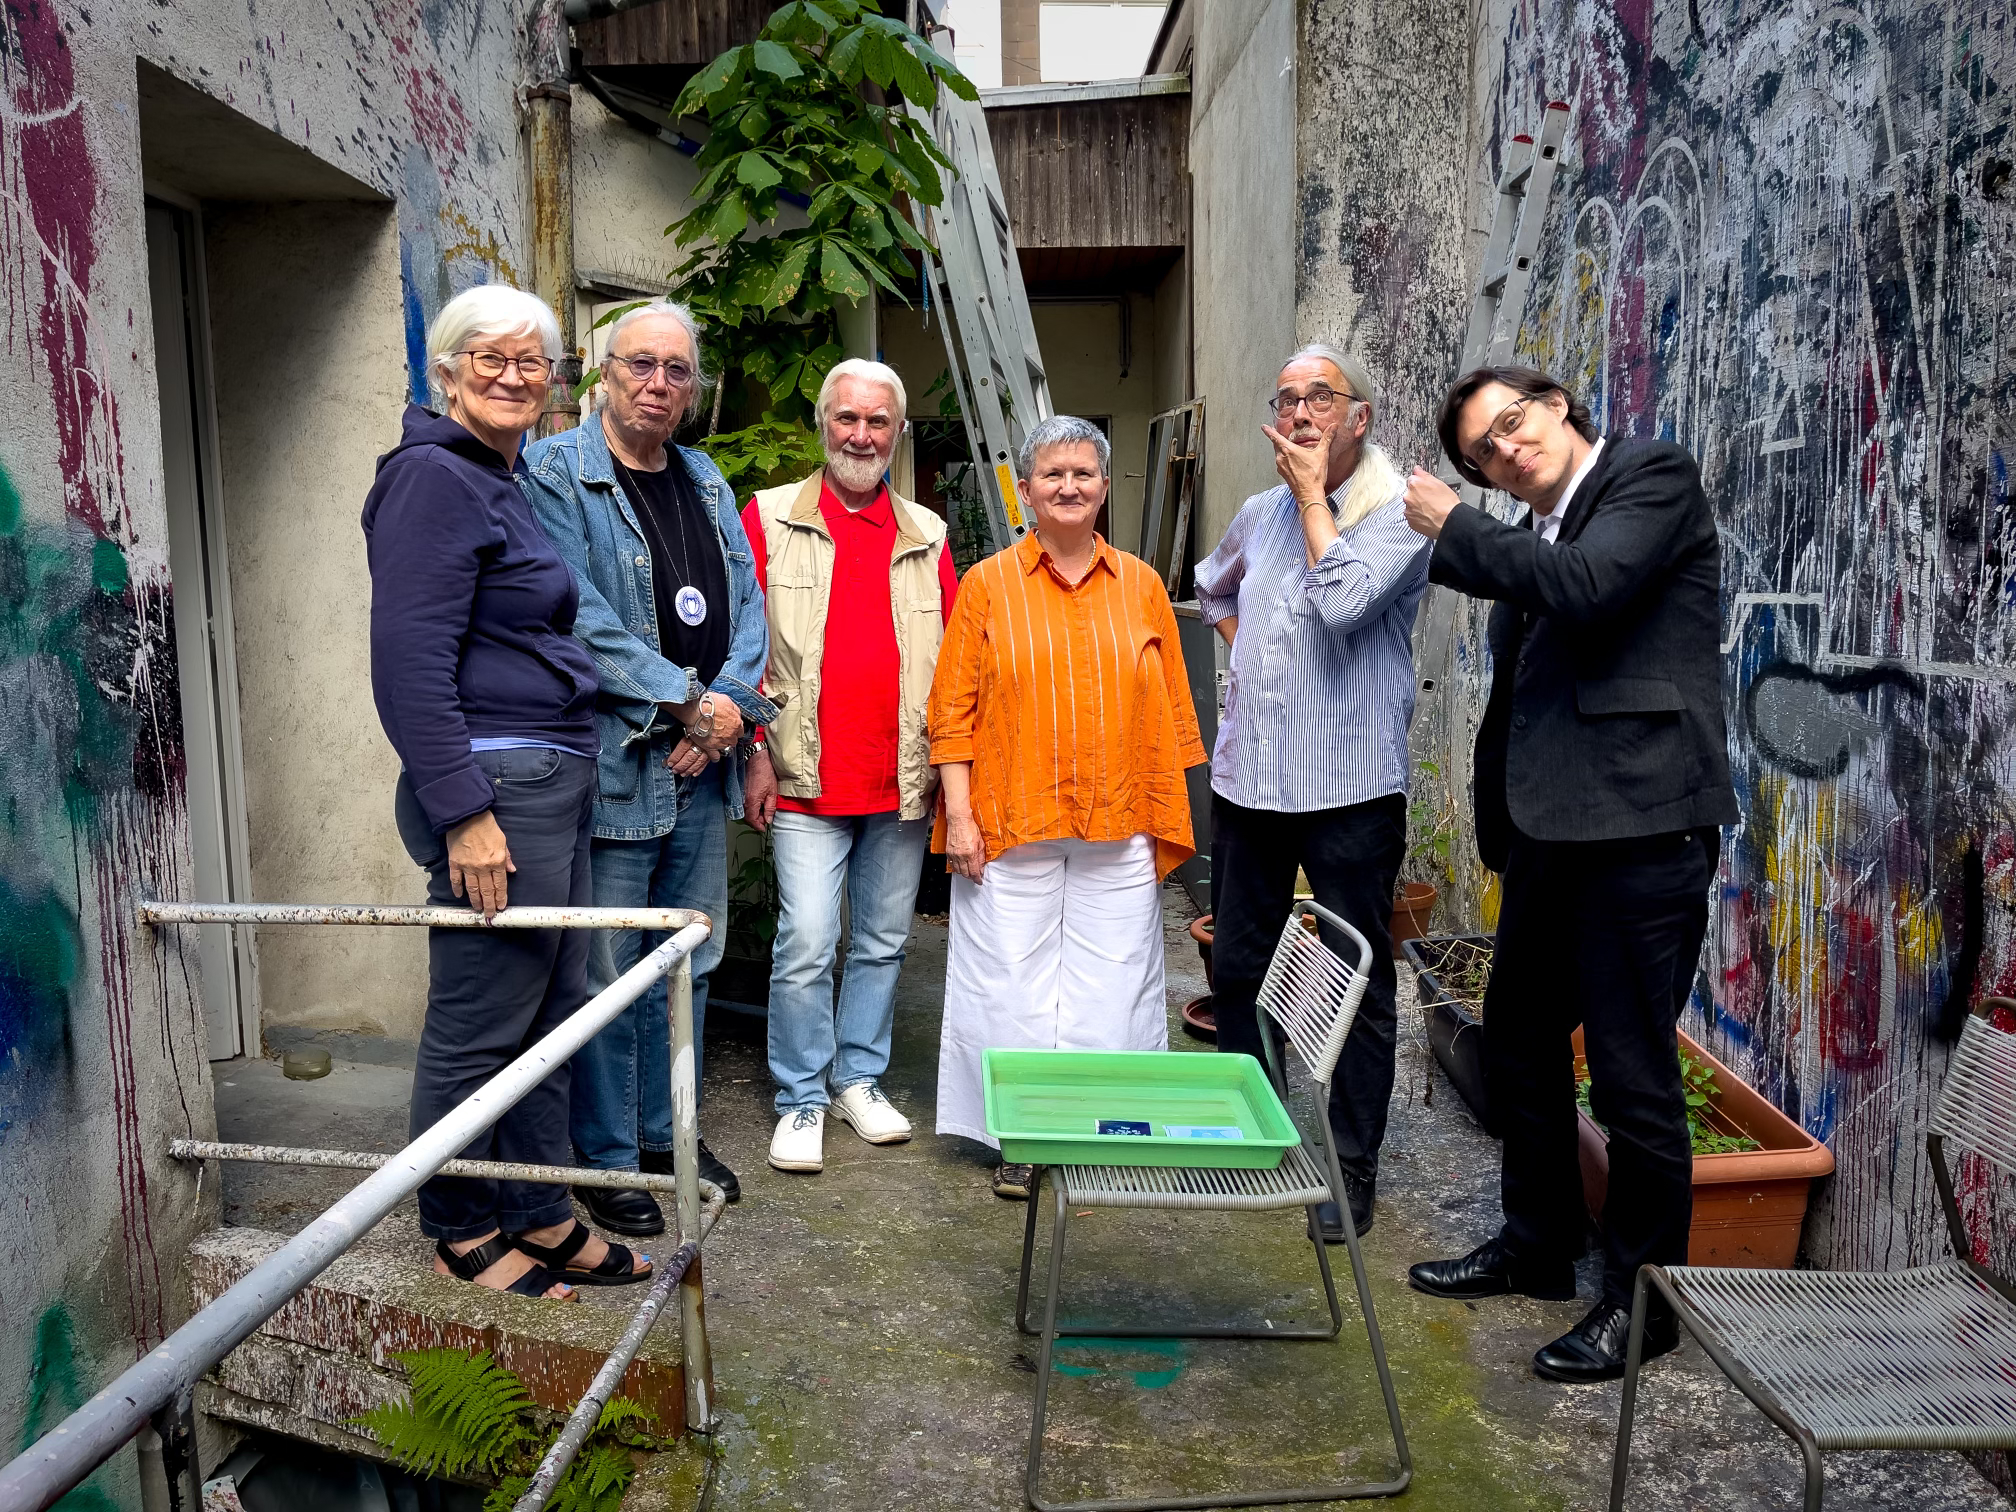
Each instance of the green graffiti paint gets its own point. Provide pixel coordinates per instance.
(56, 1388)
(1172, 1350)
(108, 567)
(10, 505)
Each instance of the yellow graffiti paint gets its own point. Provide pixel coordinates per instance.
(474, 242)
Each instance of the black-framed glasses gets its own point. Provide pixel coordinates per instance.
(1509, 420)
(1321, 400)
(492, 365)
(641, 368)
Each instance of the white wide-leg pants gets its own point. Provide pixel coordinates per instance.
(1059, 946)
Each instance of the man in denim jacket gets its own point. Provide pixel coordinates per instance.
(672, 614)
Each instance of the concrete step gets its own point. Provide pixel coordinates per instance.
(326, 1357)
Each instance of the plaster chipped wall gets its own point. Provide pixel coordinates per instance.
(101, 1038)
(1785, 237)
(1242, 165)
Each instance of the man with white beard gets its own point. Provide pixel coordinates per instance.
(843, 776)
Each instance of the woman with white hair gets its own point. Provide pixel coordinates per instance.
(1061, 725)
(489, 701)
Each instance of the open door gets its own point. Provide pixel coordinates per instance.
(204, 646)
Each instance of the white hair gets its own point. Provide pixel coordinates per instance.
(486, 310)
(1375, 481)
(1349, 368)
(868, 372)
(668, 309)
(1063, 430)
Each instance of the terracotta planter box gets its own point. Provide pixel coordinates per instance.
(1412, 906)
(1455, 1034)
(1748, 1207)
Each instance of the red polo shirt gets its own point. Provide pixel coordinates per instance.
(859, 697)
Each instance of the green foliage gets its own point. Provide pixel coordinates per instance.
(1431, 828)
(1697, 1077)
(789, 114)
(765, 454)
(468, 1415)
(753, 900)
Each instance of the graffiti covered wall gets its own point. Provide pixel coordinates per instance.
(1785, 236)
(102, 1051)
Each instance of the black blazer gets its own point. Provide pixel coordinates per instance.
(1605, 714)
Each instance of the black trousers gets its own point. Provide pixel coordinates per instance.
(492, 993)
(1607, 935)
(1352, 855)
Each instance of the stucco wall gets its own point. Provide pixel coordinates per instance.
(1081, 353)
(310, 381)
(1242, 255)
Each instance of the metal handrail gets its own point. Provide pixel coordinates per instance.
(165, 1378)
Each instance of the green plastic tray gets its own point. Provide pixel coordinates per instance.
(1045, 1107)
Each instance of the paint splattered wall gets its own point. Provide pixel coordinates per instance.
(1784, 236)
(101, 1039)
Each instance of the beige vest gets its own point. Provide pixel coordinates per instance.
(799, 553)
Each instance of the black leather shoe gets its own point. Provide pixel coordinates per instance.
(1594, 1349)
(1487, 1271)
(1359, 1193)
(660, 1163)
(622, 1211)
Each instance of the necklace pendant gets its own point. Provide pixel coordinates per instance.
(691, 605)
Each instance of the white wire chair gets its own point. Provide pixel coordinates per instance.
(1914, 1359)
(1313, 996)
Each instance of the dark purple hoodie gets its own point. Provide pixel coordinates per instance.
(472, 616)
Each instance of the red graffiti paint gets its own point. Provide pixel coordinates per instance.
(438, 118)
(1851, 1018)
(59, 182)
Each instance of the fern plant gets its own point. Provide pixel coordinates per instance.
(466, 1415)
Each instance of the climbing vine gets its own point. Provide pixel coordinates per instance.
(809, 159)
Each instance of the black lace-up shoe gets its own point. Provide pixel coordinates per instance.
(1487, 1271)
(1359, 1193)
(622, 1211)
(1594, 1349)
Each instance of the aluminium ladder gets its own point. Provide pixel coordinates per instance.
(983, 309)
(1516, 223)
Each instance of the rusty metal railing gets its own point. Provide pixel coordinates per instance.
(160, 1389)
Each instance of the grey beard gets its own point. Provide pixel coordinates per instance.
(858, 474)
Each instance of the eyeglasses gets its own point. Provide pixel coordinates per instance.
(641, 368)
(1509, 420)
(1320, 401)
(492, 365)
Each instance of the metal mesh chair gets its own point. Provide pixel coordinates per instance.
(1914, 1359)
(1312, 996)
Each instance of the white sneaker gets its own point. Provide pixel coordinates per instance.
(800, 1141)
(871, 1115)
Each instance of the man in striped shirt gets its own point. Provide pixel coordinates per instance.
(1314, 587)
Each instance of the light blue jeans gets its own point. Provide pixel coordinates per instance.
(878, 858)
(622, 1096)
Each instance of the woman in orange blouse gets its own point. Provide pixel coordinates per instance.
(1060, 724)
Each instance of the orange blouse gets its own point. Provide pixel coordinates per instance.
(1070, 701)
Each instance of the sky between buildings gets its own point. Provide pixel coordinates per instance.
(1078, 40)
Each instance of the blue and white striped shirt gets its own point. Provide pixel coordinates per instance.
(1322, 686)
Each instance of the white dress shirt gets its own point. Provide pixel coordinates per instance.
(1549, 524)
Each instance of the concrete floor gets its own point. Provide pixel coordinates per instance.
(866, 1355)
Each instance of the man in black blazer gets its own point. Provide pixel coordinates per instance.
(1602, 780)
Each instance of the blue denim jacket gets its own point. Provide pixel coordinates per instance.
(571, 482)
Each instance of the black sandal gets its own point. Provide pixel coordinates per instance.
(472, 1263)
(617, 1267)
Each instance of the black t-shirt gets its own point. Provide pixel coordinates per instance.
(685, 560)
